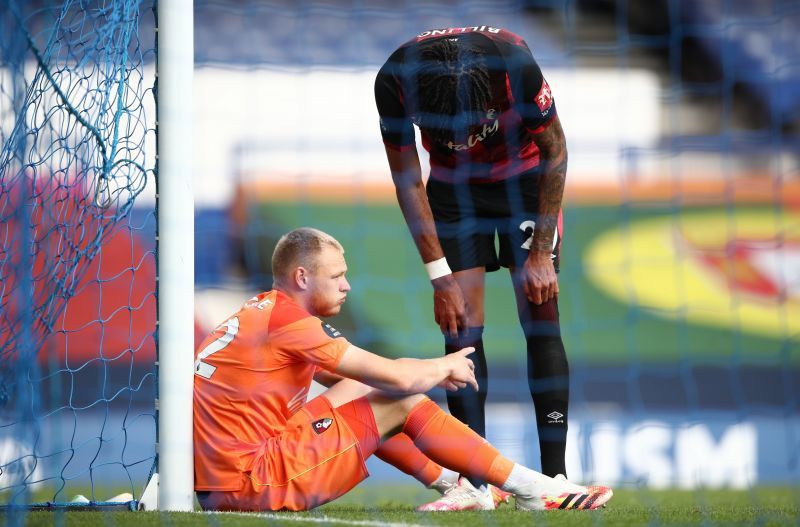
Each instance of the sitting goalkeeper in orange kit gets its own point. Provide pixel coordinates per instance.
(259, 445)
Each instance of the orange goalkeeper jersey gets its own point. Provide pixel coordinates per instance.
(251, 375)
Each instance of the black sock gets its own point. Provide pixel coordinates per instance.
(467, 405)
(548, 380)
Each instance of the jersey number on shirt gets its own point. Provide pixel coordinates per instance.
(527, 226)
(204, 369)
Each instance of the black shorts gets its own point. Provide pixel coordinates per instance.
(468, 217)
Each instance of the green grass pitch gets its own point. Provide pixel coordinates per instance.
(393, 506)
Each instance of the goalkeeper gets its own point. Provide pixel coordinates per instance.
(498, 162)
(260, 446)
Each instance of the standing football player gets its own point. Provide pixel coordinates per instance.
(498, 162)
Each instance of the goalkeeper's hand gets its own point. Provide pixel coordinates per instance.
(460, 370)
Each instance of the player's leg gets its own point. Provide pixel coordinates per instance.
(401, 452)
(447, 441)
(468, 245)
(548, 369)
(397, 450)
(467, 405)
(389, 416)
(548, 379)
(452, 444)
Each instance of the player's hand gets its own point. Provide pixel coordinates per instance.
(539, 279)
(449, 307)
(451, 386)
(461, 370)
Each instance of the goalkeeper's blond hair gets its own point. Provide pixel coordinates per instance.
(299, 248)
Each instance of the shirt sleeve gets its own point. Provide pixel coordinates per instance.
(312, 341)
(397, 128)
(532, 95)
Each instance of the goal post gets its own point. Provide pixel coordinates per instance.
(175, 210)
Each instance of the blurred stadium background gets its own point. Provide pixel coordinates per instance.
(680, 280)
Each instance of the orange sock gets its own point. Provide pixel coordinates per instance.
(401, 452)
(449, 442)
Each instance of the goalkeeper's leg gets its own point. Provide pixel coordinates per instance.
(401, 452)
(452, 444)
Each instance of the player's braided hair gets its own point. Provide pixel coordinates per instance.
(453, 89)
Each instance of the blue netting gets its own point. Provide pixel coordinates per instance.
(668, 388)
(77, 308)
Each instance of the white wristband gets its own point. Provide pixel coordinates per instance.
(438, 268)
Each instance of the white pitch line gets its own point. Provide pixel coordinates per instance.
(315, 519)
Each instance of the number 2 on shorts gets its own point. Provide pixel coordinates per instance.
(530, 224)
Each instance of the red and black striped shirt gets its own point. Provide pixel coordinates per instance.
(501, 145)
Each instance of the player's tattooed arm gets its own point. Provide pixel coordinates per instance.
(553, 153)
(538, 277)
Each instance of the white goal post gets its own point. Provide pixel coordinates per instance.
(175, 210)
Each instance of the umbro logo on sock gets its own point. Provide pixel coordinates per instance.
(555, 417)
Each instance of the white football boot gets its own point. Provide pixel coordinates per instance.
(461, 497)
(560, 494)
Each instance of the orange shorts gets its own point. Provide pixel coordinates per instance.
(319, 456)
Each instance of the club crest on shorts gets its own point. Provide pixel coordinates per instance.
(320, 425)
(331, 331)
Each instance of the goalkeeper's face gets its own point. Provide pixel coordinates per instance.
(327, 285)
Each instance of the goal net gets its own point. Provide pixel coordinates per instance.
(679, 284)
(77, 260)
